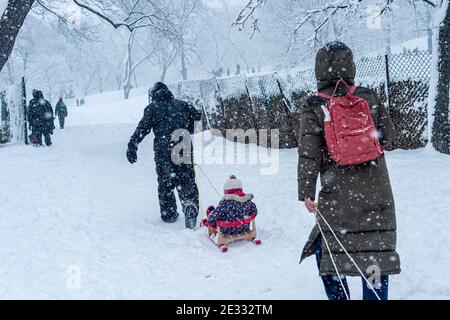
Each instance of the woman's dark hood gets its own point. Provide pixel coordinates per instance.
(160, 92)
(334, 62)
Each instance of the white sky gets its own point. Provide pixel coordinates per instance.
(219, 3)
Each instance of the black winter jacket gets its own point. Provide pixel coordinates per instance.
(164, 115)
(40, 113)
(61, 109)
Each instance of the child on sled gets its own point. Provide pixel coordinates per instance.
(235, 206)
(232, 218)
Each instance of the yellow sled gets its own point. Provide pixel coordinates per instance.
(223, 240)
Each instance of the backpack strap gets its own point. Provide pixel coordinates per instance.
(351, 90)
(323, 95)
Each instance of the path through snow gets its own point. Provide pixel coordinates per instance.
(79, 203)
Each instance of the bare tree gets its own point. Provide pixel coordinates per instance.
(130, 65)
(132, 15)
(185, 35)
(247, 13)
(165, 55)
(171, 19)
(219, 54)
(23, 50)
(89, 79)
(73, 30)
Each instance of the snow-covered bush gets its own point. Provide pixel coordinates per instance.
(12, 114)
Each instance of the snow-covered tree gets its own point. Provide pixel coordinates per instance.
(165, 55)
(187, 14)
(13, 14)
(135, 16)
(440, 81)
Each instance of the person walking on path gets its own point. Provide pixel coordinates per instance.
(61, 112)
(355, 208)
(40, 119)
(165, 115)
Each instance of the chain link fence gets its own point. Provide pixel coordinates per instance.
(274, 100)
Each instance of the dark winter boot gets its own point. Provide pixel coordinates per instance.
(191, 214)
(170, 218)
(48, 139)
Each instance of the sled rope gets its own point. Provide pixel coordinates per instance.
(199, 197)
(332, 260)
(203, 214)
(346, 252)
(208, 179)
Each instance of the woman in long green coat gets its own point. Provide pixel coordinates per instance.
(356, 200)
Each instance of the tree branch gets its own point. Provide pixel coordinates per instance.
(431, 3)
(324, 13)
(81, 31)
(246, 13)
(104, 17)
(10, 23)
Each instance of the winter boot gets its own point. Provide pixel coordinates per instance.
(191, 214)
(170, 218)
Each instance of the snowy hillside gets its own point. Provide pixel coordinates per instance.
(79, 205)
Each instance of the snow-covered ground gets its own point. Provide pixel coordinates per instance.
(79, 208)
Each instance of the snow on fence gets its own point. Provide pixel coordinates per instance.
(274, 100)
(12, 115)
(402, 82)
(408, 86)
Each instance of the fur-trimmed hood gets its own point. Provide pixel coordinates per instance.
(235, 197)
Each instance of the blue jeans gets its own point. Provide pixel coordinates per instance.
(333, 287)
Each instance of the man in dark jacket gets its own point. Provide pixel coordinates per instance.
(61, 112)
(40, 119)
(356, 200)
(164, 116)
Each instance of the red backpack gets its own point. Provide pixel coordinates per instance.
(350, 131)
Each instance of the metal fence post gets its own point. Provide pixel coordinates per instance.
(388, 80)
(24, 108)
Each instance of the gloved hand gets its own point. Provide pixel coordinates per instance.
(210, 210)
(131, 156)
(132, 153)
